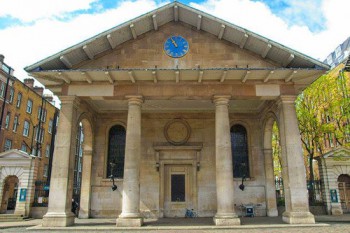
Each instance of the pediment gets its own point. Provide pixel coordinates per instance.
(178, 13)
(339, 154)
(15, 154)
(205, 51)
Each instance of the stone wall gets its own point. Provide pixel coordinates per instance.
(107, 203)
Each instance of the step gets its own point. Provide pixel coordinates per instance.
(11, 217)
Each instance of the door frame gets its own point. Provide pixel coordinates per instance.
(188, 155)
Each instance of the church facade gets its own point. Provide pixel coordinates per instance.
(176, 108)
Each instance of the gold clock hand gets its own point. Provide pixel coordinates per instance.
(173, 41)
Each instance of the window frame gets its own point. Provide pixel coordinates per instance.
(19, 100)
(30, 107)
(109, 157)
(5, 144)
(247, 157)
(24, 128)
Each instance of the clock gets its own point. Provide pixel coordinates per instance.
(176, 46)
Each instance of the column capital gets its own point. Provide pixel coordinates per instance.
(135, 99)
(70, 99)
(221, 99)
(288, 99)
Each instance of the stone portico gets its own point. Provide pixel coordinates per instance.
(180, 117)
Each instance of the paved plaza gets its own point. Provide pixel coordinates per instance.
(165, 225)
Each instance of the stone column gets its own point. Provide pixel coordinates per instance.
(84, 211)
(61, 186)
(130, 216)
(225, 215)
(270, 192)
(293, 167)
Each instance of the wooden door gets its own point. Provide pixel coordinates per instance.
(344, 192)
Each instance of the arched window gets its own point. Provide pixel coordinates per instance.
(116, 151)
(239, 145)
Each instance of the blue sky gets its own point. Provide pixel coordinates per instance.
(40, 28)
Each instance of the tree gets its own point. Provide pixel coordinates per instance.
(323, 111)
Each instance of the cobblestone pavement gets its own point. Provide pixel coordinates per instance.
(343, 228)
(181, 225)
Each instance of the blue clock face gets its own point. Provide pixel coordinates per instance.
(176, 46)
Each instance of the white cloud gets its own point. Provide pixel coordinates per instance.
(258, 18)
(30, 11)
(25, 45)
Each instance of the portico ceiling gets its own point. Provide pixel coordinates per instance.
(63, 67)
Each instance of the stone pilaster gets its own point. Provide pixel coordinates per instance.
(130, 216)
(271, 205)
(293, 168)
(225, 215)
(61, 189)
(84, 211)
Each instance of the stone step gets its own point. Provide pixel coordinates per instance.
(11, 217)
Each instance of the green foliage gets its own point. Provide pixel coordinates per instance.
(323, 111)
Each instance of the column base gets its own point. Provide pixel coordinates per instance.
(272, 213)
(226, 221)
(58, 219)
(129, 222)
(298, 217)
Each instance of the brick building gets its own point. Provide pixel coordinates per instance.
(23, 104)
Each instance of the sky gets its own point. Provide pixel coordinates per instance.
(31, 30)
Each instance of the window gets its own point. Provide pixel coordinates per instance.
(46, 170)
(330, 139)
(338, 51)
(39, 134)
(2, 90)
(19, 100)
(12, 92)
(26, 126)
(116, 151)
(34, 151)
(15, 123)
(239, 145)
(29, 106)
(23, 147)
(50, 126)
(43, 114)
(8, 145)
(7, 120)
(47, 150)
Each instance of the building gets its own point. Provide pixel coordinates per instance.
(176, 108)
(339, 55)
(22, 131)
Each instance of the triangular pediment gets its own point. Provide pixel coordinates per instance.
(178, 13)
(15, 154)
(205, 51)
(219, 50)
(339, 154)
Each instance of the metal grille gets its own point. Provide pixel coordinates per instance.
(239, 151)
(116, 150)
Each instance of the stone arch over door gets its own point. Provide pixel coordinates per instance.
(85, 194)
(270, 188)
(15, 163)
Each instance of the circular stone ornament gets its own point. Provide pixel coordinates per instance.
(177, 132)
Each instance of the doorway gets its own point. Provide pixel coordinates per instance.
(178, 192)
(344, 192)
(9, 197)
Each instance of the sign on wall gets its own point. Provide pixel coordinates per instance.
(23, 195)
(334, 196)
